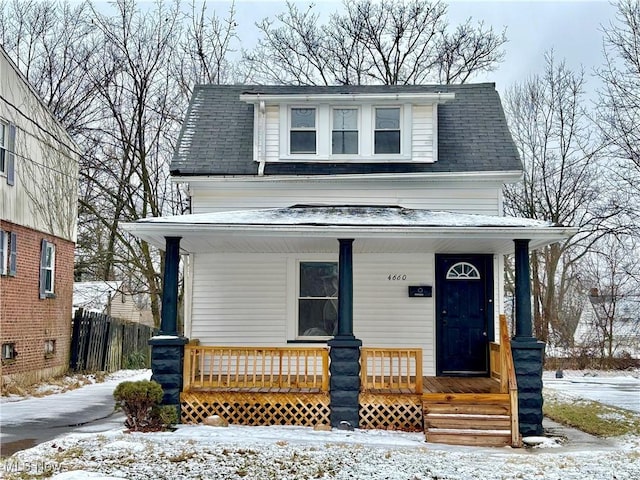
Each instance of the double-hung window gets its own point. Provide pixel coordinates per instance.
(47, 269)
(302, 136)
(318, 299)
(8, 253)
(3, 145)
(7, 151)
(344, 136)
(387, 130)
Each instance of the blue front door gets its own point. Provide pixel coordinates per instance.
(464, 313)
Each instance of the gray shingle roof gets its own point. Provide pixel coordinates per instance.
(217, 133)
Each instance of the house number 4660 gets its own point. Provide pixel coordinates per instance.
(397, 277)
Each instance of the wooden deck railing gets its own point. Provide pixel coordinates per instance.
(256, 368)
(391, 369)
(502, 369)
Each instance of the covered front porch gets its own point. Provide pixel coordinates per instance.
(291, 386)
(351, 382)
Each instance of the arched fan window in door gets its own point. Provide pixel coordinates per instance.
(463, 271)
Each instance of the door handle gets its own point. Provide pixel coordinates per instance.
(484, 334)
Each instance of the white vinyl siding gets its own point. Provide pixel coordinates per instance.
(272, 132)
(461, 197)
(383, 313)
(239, 299)
(423, 136)
(242, 299)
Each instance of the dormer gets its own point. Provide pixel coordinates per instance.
(346, 127)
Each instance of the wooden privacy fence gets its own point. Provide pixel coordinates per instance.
(396, 370)
(256, 368)
(102, 343)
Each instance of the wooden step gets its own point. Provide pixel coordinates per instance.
(467, 421)
(464, 408)
(467, 398)
(481, 438)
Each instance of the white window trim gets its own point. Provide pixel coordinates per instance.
(324, 127)
(469, 272)
(290, 129)
(4, 142)
(4, 252)
(44, 267)
(358, 110)
(401, 127)
(293, 282)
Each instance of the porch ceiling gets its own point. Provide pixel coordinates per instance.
(314, 229)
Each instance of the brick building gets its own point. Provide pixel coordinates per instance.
(38, 212)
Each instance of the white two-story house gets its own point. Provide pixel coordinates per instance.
(407, 178)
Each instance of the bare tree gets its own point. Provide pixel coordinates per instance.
(610, 326)
(206, 45)
(389, 43)
(562, 184)
(619, 106)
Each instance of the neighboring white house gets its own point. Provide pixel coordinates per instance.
(604, 321)
(276, 175)
(111, 298)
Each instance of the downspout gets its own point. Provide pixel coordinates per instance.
(262, 134)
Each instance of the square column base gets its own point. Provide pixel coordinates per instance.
(528, 358)
(344, 386)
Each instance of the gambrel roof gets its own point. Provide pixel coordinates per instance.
(217, 133)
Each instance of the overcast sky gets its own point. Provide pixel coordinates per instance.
(572, 28)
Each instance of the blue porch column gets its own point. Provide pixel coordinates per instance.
(344, 386)
(528, 352)
(167, 348)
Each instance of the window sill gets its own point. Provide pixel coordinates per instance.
(321, 340)
(382, 158)
(46, 296)
(8, 361)
(48, 356)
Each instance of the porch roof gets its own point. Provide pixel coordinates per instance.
(314, 228)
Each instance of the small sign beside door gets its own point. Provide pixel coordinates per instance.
(420, 291)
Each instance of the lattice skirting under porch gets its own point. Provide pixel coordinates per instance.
(391, 411)
(243, 408)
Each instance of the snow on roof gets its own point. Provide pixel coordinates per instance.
(94, 296)
(348, 215)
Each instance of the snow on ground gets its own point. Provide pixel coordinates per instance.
(17, 410)
(618, 389)
(237, 452)
(293, 453)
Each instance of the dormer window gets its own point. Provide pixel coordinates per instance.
(387, 130)
(345, 127)
(344, 135)
(302, 138)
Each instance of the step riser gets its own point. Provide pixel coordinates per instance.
(470, 440)
(475, 409)
(488, 424)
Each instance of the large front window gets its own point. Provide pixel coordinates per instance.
(344, 136)
(303, 130)
(318, 299)
(387, 130)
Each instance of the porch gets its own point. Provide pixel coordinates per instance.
(290, 386)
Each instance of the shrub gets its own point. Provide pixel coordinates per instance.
(140, 401)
